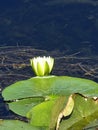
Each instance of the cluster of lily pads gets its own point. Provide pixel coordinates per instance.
(52, 102)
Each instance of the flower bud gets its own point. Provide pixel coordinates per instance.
(42, 65)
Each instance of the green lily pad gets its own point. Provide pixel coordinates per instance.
(52, 113)
(50, 85)
(46, 113)
(85, 111)
(40, 115)
(92, 126)
(21, 107)
(17, 125)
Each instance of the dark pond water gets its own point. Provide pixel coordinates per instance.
(65, 25)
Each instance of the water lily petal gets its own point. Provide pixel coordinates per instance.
(42, 65)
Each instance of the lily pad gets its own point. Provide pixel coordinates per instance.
(85, 111)
(46, 113)
(92, 126)
(52, 113)
(21, 107)
(50, 85)
(17, 125)
(50, 90)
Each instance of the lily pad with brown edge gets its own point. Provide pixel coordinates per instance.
(46, 113)
(54, 86)
(85, 111)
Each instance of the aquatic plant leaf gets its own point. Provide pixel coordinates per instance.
(50, 85)
(46, 113)
(59, 86)
(92, 125)
(21, 107)
(67, 110)
(85, 111)
(17, 125)
(40, 115)
(57, 108)
(69, 106)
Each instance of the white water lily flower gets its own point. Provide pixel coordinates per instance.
(42, 65)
